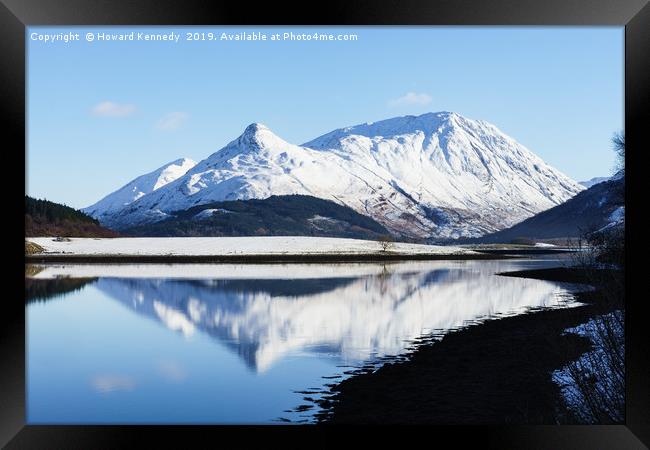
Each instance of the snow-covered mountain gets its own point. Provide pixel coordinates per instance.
(133, 190)
(438, 175)
(589, 183)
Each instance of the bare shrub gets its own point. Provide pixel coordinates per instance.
(386, 242)
(593, 386)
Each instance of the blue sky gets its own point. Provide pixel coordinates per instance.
(103, 113)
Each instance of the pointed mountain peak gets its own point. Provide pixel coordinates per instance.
(255, 128)
(258, 135)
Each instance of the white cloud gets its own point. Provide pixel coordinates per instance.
(410, 99)
(110, 383)
(172, 121)
(112, 109)
(172, 371)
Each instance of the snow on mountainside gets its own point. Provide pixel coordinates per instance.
(438, 175)
(137, 188)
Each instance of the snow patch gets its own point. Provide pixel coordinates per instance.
(207, 213)
(544, 245)
(618, 215)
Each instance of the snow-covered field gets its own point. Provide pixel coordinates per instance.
(222, 246)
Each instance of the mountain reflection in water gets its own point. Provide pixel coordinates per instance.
(354, 317)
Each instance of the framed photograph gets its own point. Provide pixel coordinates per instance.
(257, 220)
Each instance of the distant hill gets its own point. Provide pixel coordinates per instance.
(278, 215)
(593, 181)
(45, 218)
(601, 206)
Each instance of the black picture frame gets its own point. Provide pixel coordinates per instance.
(15, 15)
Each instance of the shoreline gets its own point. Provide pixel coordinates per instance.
(254, 259)
(525, 251)
(497, 372)
(256, 250)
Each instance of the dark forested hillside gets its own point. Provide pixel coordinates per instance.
(285, 215)
(46, 218)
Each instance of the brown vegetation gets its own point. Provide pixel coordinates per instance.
(31, 248)
(65, 227)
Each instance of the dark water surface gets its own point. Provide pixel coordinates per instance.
(241, 343)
